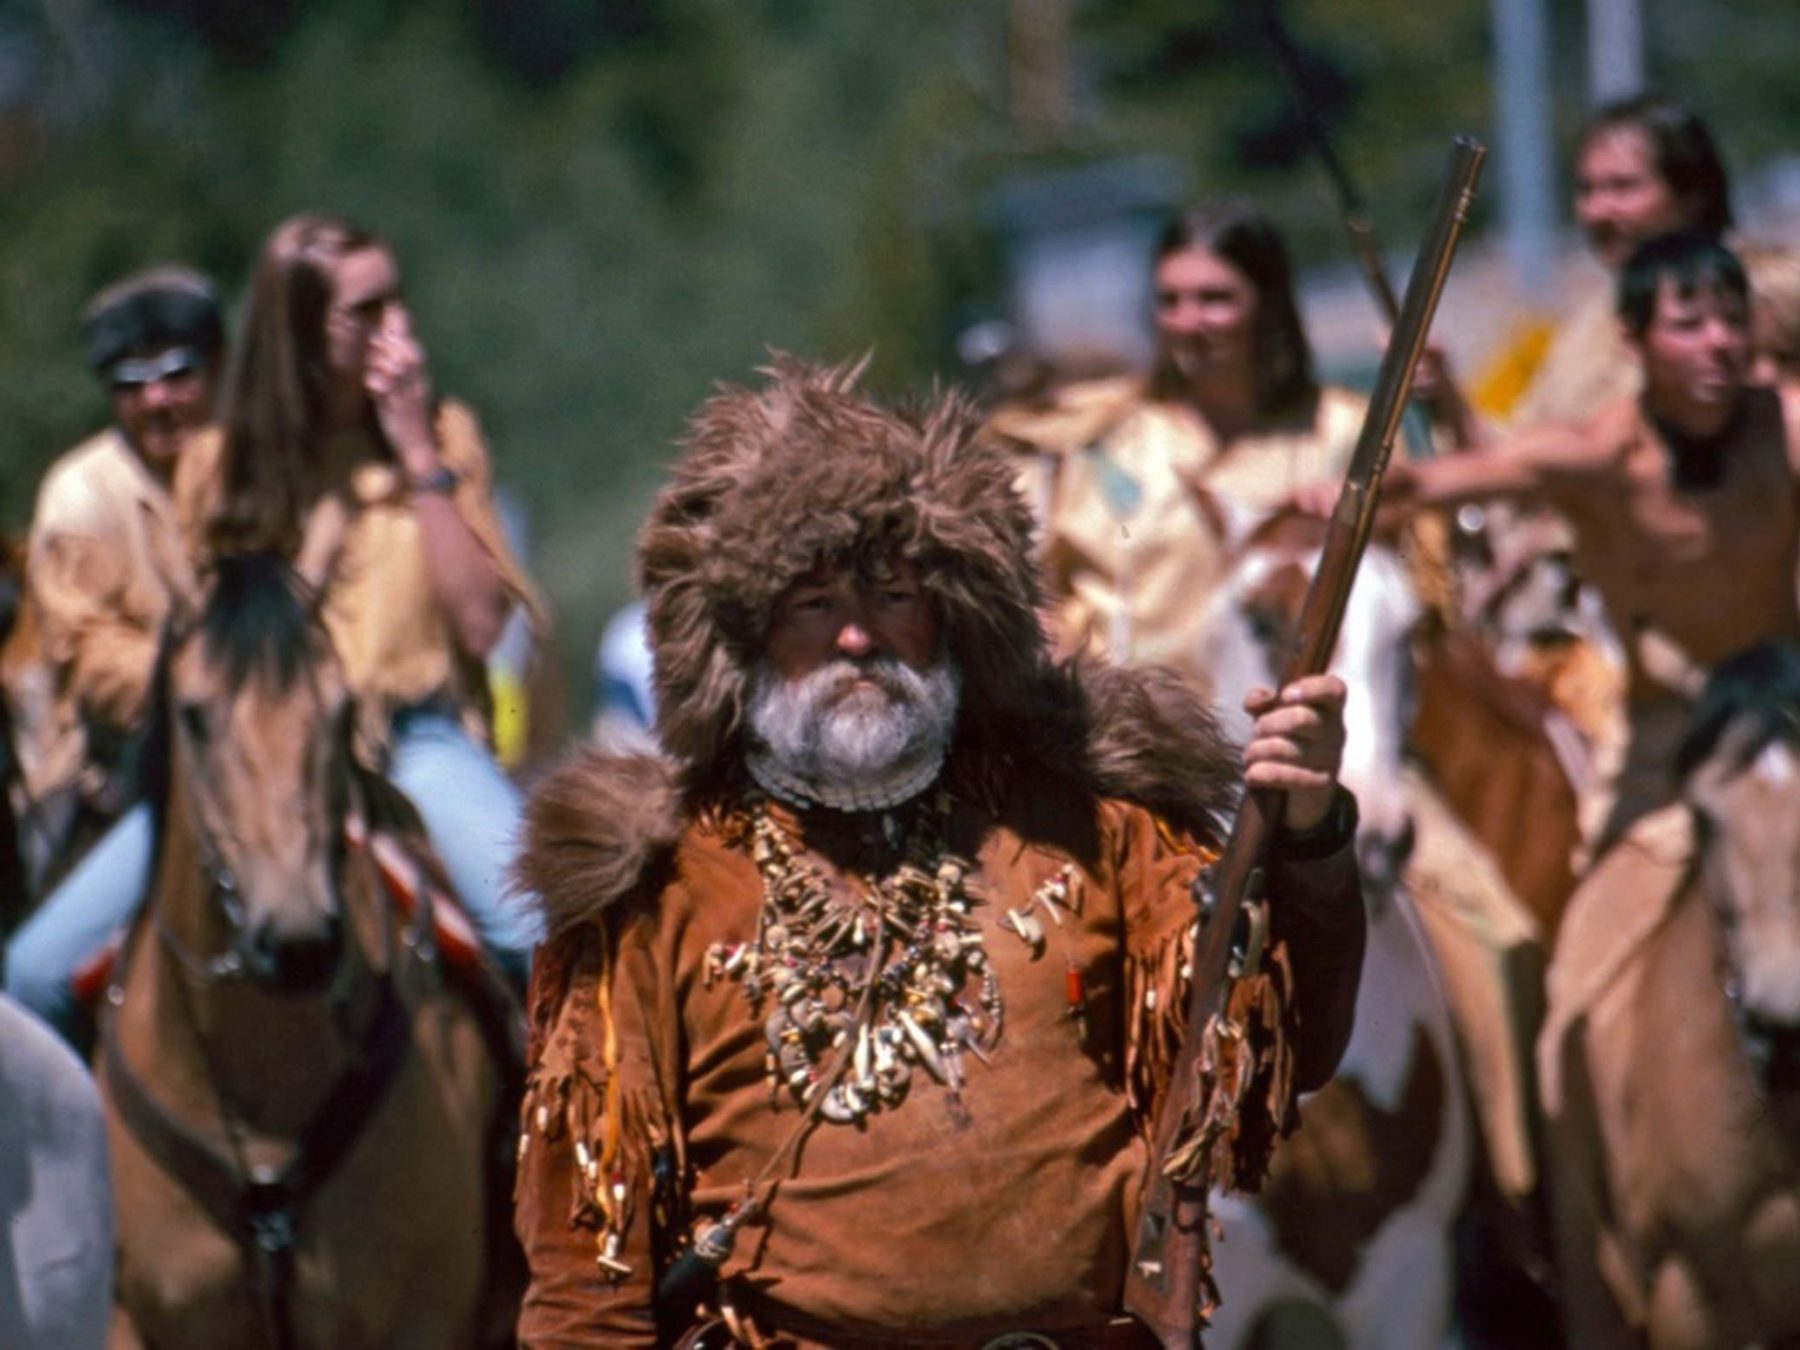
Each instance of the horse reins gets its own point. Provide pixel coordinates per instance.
(261, 1208)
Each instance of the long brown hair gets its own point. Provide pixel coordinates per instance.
(273, 403)
(1683, 150)
(1243, 236)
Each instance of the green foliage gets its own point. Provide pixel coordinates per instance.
(586, 253)
(603, 206)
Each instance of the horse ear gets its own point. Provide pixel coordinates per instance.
(1235, 524)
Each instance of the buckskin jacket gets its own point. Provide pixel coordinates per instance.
(1113, 475)
(106, 560)
(379, 605)
(992, 1194)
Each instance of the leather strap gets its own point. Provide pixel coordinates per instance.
(262, 1212)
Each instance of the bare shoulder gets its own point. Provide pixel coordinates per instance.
(1787, 405)
(1598, 447)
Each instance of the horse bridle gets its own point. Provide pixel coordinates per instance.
(1773, 1051)
(237, 961)
(261, 1208)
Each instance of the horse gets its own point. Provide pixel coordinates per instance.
(1671, 1055)
(1349, 1243)
(303, 1113)
(56, 1225)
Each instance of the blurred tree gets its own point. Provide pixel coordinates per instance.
(602, 206)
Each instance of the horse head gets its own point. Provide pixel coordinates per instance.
(1741, 768)
(1252, 621)
(256, 767)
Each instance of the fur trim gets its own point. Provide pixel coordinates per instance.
(1154, 739)
(594, 830)
(597, 827)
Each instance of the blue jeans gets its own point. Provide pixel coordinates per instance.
(74, 921)
(473, 815)
(471, 812)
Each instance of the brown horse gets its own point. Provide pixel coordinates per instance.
(1671, 1055)
(302, 1115)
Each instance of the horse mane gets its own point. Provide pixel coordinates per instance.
(257, 619)
(1762, 684)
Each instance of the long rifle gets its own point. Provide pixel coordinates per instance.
(1162, 1285)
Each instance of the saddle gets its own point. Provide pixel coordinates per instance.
(410, 876)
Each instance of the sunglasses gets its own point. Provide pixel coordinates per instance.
(174, 364)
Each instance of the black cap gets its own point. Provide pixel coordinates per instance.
(171, 306)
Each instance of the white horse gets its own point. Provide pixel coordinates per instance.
(1350, 1241)
(56, 1238)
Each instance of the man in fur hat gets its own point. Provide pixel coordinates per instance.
(859, 999)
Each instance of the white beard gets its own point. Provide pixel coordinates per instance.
(849, 748)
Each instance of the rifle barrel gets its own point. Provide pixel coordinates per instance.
(1163, 1278)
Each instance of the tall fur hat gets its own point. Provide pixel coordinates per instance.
(804, 470)
(807, 470)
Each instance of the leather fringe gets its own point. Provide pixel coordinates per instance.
(573, 1094)
(1246, 1066)
(1156, 1001)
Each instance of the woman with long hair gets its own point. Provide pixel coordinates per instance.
(1230, 414)
(336, 453)
(333, 451)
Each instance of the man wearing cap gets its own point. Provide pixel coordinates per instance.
(104, 558)
(861, 994)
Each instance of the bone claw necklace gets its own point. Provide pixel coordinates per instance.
(897, 973)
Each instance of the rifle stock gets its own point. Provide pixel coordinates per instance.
(1162, 1282)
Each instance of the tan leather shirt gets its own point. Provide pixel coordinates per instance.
(105, 560)
(380, 607)
(929, 1224)
(1129, 557)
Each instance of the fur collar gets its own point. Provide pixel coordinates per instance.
(602, 826)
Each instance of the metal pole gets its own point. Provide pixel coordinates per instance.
(1523, 154)
(1615, 49)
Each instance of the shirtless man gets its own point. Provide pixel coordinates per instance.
(1683, 502)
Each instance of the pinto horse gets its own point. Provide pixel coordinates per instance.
(1670, 1058)
(1350, 1241)
(302, 1113)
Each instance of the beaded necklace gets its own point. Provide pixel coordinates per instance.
(872, 985)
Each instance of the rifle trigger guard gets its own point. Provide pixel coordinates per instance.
(1249, 938)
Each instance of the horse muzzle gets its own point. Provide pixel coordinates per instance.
(295, 963)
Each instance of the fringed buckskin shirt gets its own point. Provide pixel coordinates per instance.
(106, 558)
(1129, 559)
(649, 1104)
(380, 607)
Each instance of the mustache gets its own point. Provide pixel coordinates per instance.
(883, 671)
(819, 727)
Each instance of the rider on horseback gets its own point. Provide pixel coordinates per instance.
(334, 451)
(1682, 503)
(104, 566)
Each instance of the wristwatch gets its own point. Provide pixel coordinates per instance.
(441, 479)
(1337, 830)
